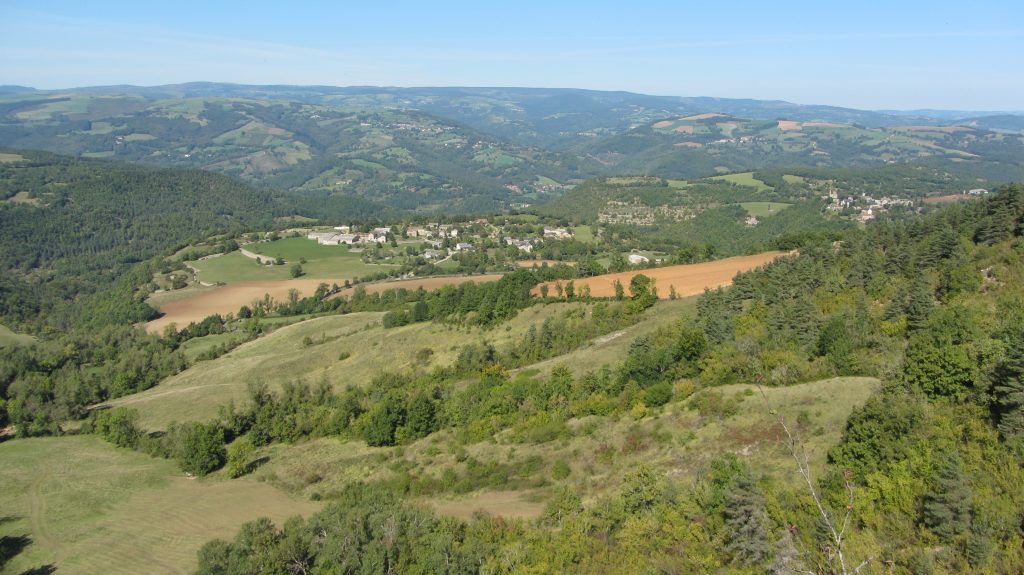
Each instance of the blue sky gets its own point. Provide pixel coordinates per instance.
(865, 54)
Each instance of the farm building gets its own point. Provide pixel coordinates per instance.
(557, 233)
(637, 259)
(333, 238)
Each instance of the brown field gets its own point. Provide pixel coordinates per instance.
(663, 124)
(228, 299)
(683, 130)
(690, 279)
(787, 125)
(703, 116)
(530, 263)
(427, 283)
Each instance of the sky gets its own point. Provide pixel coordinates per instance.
(898, 54)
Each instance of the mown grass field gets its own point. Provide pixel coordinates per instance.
(235, 267)
(764, 209)
(89, 507)
(291, 249)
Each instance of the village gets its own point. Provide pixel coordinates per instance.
(442, 240)
(866, 207)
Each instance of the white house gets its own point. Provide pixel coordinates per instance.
(637, 259)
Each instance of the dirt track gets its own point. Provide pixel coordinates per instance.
(688, 280)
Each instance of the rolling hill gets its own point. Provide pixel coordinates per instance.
(406, 158)
(481, 149)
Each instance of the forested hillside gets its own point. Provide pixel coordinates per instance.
(701, 144)
(403, 157)
(71, 231)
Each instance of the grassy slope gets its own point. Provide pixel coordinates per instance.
(89, 507)
(611, 349)
(196, 393)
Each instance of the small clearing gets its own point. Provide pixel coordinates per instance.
(505, 504)
(789, 125)
(8, 337)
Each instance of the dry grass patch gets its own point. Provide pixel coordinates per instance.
(506, 504)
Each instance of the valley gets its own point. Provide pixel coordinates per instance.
(504, 330)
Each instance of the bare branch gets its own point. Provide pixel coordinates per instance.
(798, 450)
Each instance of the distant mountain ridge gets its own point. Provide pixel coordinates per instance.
(481, 149)
(538, 99)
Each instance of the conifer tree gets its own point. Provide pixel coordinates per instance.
(947, 507)
(746, 536)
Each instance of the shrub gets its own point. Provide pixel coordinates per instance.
(239, 453)
(118, 426)
(198, 447)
